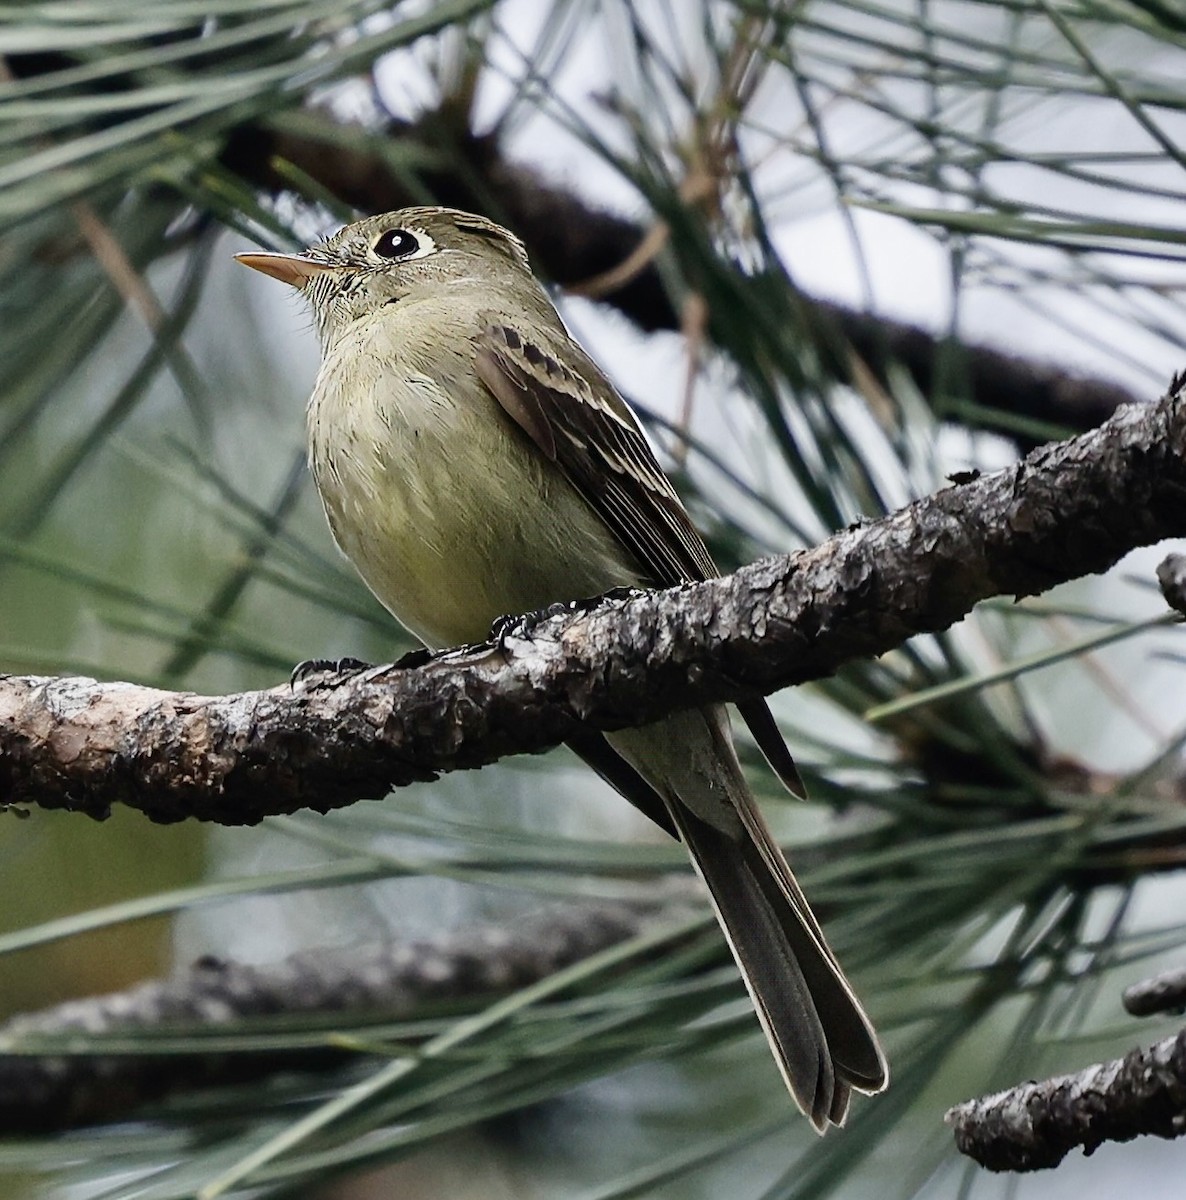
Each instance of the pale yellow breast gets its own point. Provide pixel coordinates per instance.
(450, 514)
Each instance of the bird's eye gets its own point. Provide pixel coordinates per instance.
(396, 243)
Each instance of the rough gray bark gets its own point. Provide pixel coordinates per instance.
(1036, 1125)
(1067, 510)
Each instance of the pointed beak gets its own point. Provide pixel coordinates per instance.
(293, 269)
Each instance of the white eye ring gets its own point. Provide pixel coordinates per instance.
(400, 245)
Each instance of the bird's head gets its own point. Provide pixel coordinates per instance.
(385, 259)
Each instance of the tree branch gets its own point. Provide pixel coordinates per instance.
(1163, 993)
(1035, 1126)
(43, 1088)
(1067, 510)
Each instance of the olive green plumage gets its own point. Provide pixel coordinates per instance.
(474, 462)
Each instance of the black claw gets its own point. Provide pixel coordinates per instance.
(525, 624)
(521, 625)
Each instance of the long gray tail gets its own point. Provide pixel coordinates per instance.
(823, 1043)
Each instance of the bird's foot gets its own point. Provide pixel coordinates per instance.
(525, 624)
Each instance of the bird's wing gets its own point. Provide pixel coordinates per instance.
(582, 425)
(578, 421)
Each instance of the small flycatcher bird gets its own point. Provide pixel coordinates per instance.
(474, 463)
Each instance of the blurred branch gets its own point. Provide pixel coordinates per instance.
(572, 243)
(1034, 1126)
(1171, 576)
(1067, 510)
(1163, 993)
(42, 1090)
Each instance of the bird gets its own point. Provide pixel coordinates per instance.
(474, 462)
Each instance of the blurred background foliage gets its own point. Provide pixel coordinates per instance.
(741, 202)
